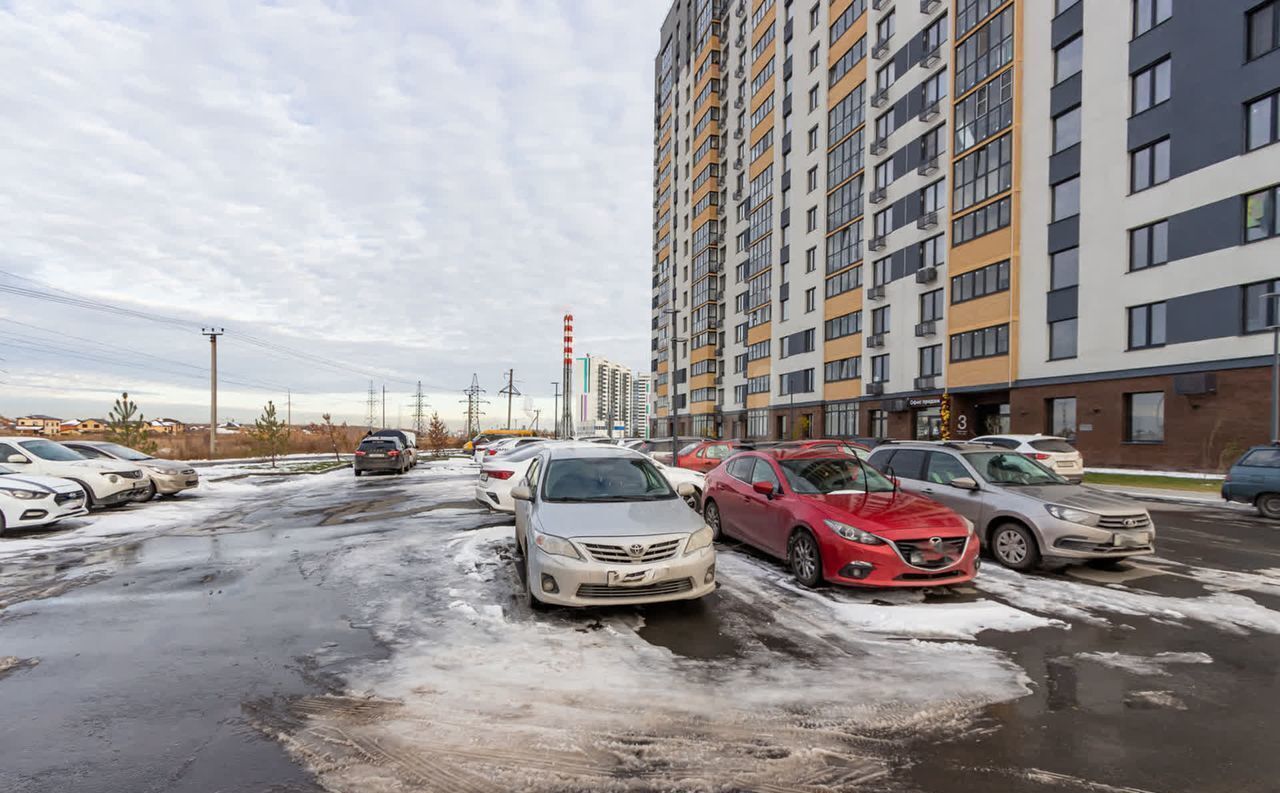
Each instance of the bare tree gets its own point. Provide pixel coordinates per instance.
(333, 432)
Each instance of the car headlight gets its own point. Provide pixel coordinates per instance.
(112, 478)
(1071, 515)
(558, 546)
(699, 539)
(24, 495)
(155, 469)
(968, 524)
(853, 533)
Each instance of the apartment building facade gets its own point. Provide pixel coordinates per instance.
(918, 219)
(605, 395)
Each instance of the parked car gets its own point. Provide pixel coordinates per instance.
(489, 436)
(601, 525)
(167, 477)
(677, 477)
(106, 483)
(703, 456)
(380, 453)
(660, 448)
(1052, 452)
(1255, 479)
(502, 445)
(500, 473)
(28, 500)
(1024, 512)
(408, 439)
(834, 518)
(824, 444)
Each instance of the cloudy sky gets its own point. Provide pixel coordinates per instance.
(407, 190)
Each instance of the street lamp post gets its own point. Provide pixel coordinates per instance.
(671, 379)
(1271, 309)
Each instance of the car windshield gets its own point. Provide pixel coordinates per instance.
(1055, 445)
(124, 452)
(55, 452)
(828, 475)
(685, 450)
(1011, 468)
(594, 479)
(1262, 458)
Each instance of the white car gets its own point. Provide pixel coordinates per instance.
(683, 476)
(600, 525)
(168, 477)
(1052, 452)
(106, 483)
(505, 446)
(27, 501)
(500, 473)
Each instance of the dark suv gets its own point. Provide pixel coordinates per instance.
(381, 453)
(1255, 479)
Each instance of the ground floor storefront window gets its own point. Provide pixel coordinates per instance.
(1062, 417)
(757, 423)
(705, 426)
(928, 424)
(840, 420)
(878, 423)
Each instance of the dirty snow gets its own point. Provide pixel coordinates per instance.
(1155, 665)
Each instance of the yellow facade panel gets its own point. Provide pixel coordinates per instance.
(759, 333)
(845, 389)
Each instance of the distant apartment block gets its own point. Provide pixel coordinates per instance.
(1053, 215)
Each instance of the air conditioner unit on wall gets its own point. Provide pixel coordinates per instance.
(1198, 384)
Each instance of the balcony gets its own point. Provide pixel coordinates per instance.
(877, 243)
(926, 275)
(875, 389)
(932, 58)
(878, 195)
(926, 329)
(930, 112)
(927, 221)
(880, 97)
(876, 292)
(876, 341)
(879, 145)
(928, 167)
(926, 382)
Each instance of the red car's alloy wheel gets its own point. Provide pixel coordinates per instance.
(711, 514)
(805, 559)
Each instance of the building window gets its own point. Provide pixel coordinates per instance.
(1062, 339)
(1062, 5)
(1061, 417)
(885, 125)
(886, 76)
(843, 325)
(1149, 245)
(1152, 85)
(796, 343)
(813, 57)
(847, 61)
(1264, 29)
(878, 421)
(1262, 117)
(981, 282)
(1068, 59)
(1149, 13)
(886, 26)
(841, 419)
(1066, 130)
(812, 179)
(810, 299)
(813, 16)
(800, 382)
(757, 423)
(813, 98)
(1261, 313)
(980, 222)
(1261, 220)
(843, 369)
(981, 343)
(880, 320)
(811, 219)
(1066, 199)
(880, 369)
(931, 361)
(931, 306)
(811, 260)
(1144, 417)
(985, 52)
(1064, 269)
(984, 112)
(1146, 326)
(932, 197)
(983, 174)
(933, 251)
(813, 137)
(1149, 166)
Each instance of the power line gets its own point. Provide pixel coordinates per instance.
(474, 402)
(510, 392)
(419, 416)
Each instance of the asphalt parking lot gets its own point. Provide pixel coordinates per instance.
(323, 632)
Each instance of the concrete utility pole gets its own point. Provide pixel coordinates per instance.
(384, 407)
(511, 393)
(556, 408)
(213, 334)
(1271, 312)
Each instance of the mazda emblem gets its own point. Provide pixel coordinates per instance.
(636, 550)
(936, 542)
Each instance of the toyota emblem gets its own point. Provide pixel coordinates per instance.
(636, 550)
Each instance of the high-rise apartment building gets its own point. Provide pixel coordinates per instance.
(1030, 216)
(604, 392)
(640, 393)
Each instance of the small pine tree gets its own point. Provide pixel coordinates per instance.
(437, 435)
(332, 431)
(126, 426)
(270, 434)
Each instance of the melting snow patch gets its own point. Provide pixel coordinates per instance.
(1144, 664)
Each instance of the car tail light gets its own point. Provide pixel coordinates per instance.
(497, 474)
(491, 451)
(359, 453)
(1040, 456)
(393, 453)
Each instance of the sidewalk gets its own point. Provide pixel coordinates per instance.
(1173, 496)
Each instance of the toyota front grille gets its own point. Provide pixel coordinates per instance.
(605, 592)
(632, 553)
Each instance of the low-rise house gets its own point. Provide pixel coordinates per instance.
(39, 424)
(164, 426)
(92, 425)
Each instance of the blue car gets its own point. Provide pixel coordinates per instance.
(1255, 479)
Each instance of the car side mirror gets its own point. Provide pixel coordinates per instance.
(964, 483)
(17, 459)
(763, 488)
(522, 493)
(685, 489)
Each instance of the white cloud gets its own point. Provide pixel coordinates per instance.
(420, 188)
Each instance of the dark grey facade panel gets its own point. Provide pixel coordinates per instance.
(1067, 24)
(1065, 95)
(897, 265)
(1062, 304)
(1205, 229)
(1150, 371)
(1211, 82)
(1064, 234)
(1065, 164)
(1214, 314)
(904, 262)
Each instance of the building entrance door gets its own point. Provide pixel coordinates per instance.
(928, 424)
(993, 418)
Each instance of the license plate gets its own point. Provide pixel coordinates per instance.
(484, 477)
(628, 577)
(377, 455)
(1141, 538)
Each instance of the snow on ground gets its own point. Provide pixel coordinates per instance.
(1156, 665)
(1089, 602)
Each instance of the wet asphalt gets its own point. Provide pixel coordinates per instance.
(144, 664)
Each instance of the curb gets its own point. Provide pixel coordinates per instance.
(1189, 500)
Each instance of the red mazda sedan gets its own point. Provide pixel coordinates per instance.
(836, 519)
(703, 456)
